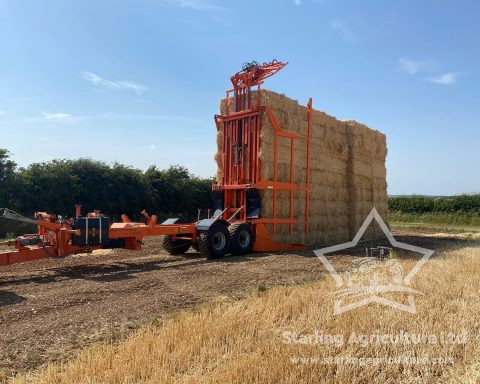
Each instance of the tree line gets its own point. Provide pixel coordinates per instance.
(56, 186)
(460, 204)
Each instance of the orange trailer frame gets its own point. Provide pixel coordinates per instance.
(54, 239)
(240, 173)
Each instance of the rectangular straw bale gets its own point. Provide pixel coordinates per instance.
(347, 172)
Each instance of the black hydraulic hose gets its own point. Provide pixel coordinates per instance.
(47, 252)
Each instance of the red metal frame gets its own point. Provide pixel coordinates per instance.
(56, 237)
(241, 166)
(250, 77)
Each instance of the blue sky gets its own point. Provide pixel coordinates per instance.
(139, 81)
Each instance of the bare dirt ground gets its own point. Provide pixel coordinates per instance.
(52, 308)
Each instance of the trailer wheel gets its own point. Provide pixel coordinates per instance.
(174, 247)
(215, 242)
(195, 246)
(242, 238)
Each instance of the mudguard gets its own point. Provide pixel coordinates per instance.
(171, 221)
(205, 224)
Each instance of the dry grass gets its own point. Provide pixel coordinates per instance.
(241, 342)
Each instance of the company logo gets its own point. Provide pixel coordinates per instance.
(376, 274)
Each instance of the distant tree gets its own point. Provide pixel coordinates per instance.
(406, 204)
(56, 186)
(9, 185)
(127, 191)
(175, 191)
(425, 204)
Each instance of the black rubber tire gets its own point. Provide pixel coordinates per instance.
(174, 247)
(242, 238)
(208, 241)
(195, 246)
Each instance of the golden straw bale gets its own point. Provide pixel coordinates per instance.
(347, 172)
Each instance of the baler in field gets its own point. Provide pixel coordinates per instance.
(236, 226)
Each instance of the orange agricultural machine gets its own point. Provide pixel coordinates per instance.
(236, 226)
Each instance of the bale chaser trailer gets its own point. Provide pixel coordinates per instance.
(236, 226)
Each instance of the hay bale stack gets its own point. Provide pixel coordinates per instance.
(347, 173)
